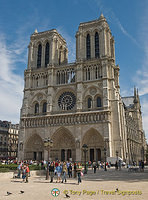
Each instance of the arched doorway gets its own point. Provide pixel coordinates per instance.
(34, 148)
(63, 145)
(95, 143)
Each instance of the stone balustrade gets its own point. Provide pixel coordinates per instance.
(66, 119)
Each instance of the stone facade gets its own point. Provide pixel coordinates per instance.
(73, 104)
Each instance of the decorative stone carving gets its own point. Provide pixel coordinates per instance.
(77, 143)
(39, 97)
(93, 91)
(100, 85)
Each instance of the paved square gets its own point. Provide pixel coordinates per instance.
(102, 185)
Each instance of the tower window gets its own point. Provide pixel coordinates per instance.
(97, 54)
(99, 102)
(47, 54)
(60, 57)
(89, 102)
(36, 108)
(88, 52)
(44, 107)
(39, 56)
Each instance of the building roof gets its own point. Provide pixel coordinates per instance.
(128, 101)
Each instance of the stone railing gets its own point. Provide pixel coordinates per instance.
(66, 119)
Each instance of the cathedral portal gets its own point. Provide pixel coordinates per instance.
(63, 145)
(95, 143)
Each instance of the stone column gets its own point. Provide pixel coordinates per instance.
(43, 56)
(65, 154)
(95, 154)
(92, 46)
(35, 56)
(45, 154)
(29, 56)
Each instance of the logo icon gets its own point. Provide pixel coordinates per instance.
(55, 192)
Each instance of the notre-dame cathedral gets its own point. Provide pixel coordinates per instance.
(78, 103)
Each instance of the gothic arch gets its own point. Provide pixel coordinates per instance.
(38, 97)
(34, 148)
(95, 142)
(93, 138)
(63, 138)
(63, 145)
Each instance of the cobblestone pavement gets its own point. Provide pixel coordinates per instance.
(104, 185)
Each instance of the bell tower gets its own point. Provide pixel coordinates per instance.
(46, 48)
(94, 40)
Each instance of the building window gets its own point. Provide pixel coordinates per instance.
(88, 52)
(60, 57)
(99, 102)
(97, 54)
(44, 107)
(47, 54)
(36, 108)
(39, 56)
(89, 102)
(67, 101)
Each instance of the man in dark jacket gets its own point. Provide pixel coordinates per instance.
(51, 171)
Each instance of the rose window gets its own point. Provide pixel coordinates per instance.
(67, 101)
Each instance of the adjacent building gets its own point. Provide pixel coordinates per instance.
(78, 103)
(8, 140)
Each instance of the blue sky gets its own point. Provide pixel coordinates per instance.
(128, 21)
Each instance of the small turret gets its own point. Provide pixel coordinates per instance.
(135, 96)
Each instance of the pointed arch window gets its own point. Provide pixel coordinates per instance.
(36, 108)
(47, 54)
(39, 56)
(44, 107)
(99, 102)
(97, 53)
(88, 47)
(89, 102)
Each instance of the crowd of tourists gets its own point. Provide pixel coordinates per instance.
(59, 171)
(23, 169)
(63, 170)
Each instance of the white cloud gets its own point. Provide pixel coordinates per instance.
(12, 75)
(11, 84)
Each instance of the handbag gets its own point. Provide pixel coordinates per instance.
(81, 173)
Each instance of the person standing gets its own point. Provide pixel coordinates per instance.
(142, 166)
(75, 167)
(70, 170)
(79, 170)
(23, 172)
(116, 165)
(27, 173)
(120, 165)
(94, 166)
(51, 171)
(59, 171)
(19, 169)
(64, 171)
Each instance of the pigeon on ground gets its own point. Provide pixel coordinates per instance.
(8, 193)
(21, 191)
(67, 196)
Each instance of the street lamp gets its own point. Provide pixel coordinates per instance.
(48, 143)
(117, 155)
(85, 149)
(105, 158)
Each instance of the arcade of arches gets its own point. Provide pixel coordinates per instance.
(64, 146)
